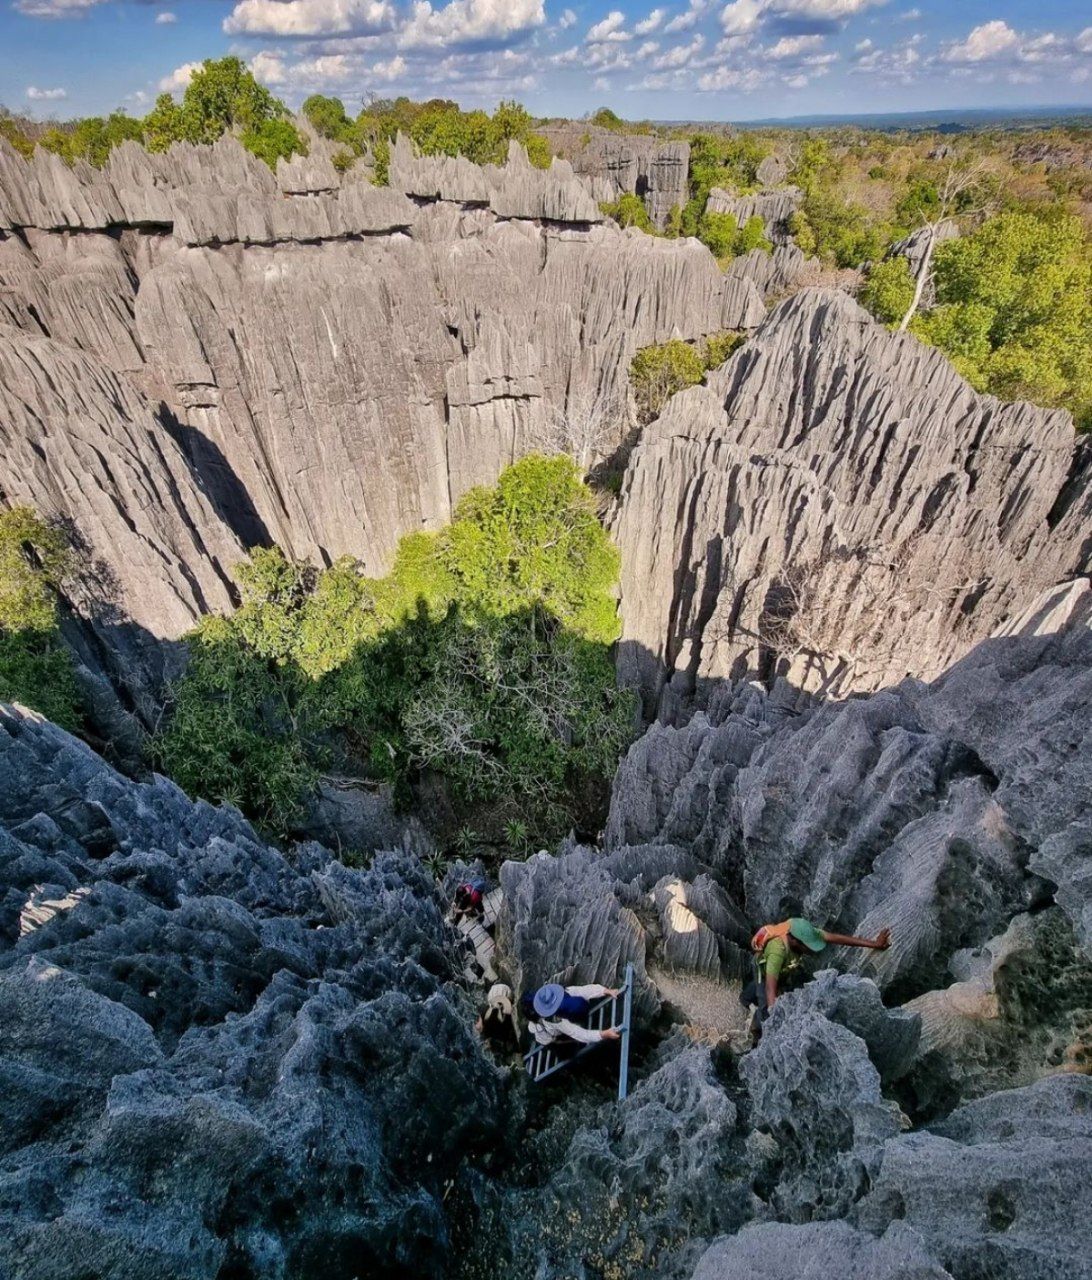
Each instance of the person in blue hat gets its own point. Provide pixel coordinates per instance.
(552, 1008)
(779, 952)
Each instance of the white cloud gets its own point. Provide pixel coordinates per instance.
(990, 40)
(470, 22)
(567, 20)
(268, 67)
(165, 19)
(901, 63)
(793, 46)
(600, 84)
(745, 79)
(54, 8)
(798, 81)
(908, 15)
(742, 16)
(309, 17)
(647, 25)
(647, 49)
(681, 55)
(609, 30)
(1084, 41)
(45, 95)
(392, 69)
(822, 10)
(179, 77)
(684, 21)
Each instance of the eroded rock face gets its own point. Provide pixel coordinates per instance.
(775, 208)
(829, 475)
(325, 365)
(997, 1188)
(215, 1055)
(941, 811)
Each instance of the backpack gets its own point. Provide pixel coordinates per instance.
(767, 934)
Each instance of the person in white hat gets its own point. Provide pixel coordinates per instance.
(555, 1008)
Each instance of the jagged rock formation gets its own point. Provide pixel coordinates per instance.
(634, 164)
(775, 208)
(288, 1030)
(940, 810)
(216, 1057)
(832, 474)
(325, 366)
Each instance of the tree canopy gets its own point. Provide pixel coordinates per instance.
(35, 666)
(483, 658)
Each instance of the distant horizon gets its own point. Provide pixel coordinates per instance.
(735, 61)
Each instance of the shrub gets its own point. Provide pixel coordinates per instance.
(659, 372)
(889, 290)
(1014, 309)
(717, 347)
(629, 211)
(484, 656)
(35, 666)
(717, 231)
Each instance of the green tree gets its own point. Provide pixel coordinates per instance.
(223, 94)
(717, 231)
(273, 140)
(657, 373)
(1014, 309)
(483, 656)
(629, 211)
(328, 118)
(889, 290)
(163, 125)
(35, 666)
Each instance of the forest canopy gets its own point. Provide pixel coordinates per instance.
(483, 659)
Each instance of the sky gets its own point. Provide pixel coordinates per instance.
(655, 59)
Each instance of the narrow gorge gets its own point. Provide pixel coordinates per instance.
(855, 615)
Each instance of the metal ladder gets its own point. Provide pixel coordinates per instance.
(615, 1012)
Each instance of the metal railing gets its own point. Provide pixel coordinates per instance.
(614, 1012)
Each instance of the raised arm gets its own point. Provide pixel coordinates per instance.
(880, 942)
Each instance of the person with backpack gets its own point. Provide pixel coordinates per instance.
(552, 1008)
(469, 899)
(779, 953)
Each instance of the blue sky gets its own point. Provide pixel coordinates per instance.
(665, 59)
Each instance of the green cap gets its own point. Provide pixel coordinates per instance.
(804, 931)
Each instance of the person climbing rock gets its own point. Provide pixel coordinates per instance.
(779, 953)
(469, 900)
(552, 1008)
(497, 1023)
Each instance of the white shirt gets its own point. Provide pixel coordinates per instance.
(549, 1030)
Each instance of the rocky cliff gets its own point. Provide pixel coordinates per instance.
(202, 355)
(220, 1059)
(835, 504)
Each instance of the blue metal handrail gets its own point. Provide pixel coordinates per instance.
(543, 1060)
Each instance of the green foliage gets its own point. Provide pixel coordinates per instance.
(837, 231)
(629, 211)
(163, 124)
(605, 118)
(327, 117)
(1014, 309)
(92, 139)
(222, 96)
(717, 347)
(273, 140)
(657, 373)
(13, 130)
(441, 127)
(484, 657)
(889, 290)
(717, 231)
(35, 667)
(752, 235)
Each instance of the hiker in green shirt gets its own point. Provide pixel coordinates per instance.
(779, 952)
